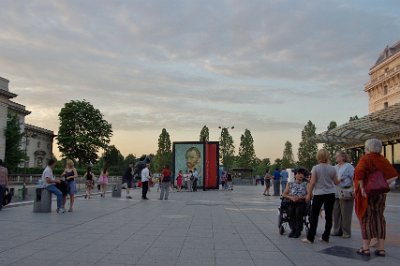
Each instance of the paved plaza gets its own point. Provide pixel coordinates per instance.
(205, 228)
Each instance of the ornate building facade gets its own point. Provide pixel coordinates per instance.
(37, 142)
(384, 86)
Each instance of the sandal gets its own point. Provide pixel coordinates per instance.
(380, 253)
(364, 252)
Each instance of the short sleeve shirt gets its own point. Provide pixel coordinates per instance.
(296, 189)
(285, 176)
(3, 175)
(47, 173)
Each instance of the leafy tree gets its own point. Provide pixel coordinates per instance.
(130, 158)
(307, 152)
(332, 148)
(164, 152)
(226, 149)
(13, 135)
(352, 118)
(287, 158)
(247, 154)
(82, 132)
(262, 166)
(204, 134)
(113, 157)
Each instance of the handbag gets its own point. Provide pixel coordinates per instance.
(376, 183)
(345, 193)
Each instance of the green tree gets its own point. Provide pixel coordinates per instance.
(13, 135)
(307, 152)
(130, 158)
(262, 166)
(332, 148)
(204, 134)
(82, 132)
(164, 152)
(226, 149)
(352, 118)
(287, 158)
(113, 157)
(247, 154)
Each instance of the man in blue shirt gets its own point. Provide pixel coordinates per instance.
(277, 180)
(284, 179)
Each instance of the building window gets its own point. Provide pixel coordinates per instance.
(385, 105)
(38, 144)
(385, 90)
(39, 162)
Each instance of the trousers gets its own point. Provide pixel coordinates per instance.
(342, 214)
(328, 200)
(164, 190)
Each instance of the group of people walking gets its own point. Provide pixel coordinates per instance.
(337, 189)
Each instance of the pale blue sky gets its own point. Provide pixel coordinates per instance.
(269, 66)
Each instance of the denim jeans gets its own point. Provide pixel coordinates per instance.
(53, 189)
(164, 190)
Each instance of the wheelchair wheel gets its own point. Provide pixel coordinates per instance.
(281, 229)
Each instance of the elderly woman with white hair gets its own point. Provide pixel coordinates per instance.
(369, 206)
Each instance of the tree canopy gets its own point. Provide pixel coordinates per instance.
(288, 158)
(226, 148)
(247, 154)
(164, 153)
(308, 148)
(82, 132)
(13, 135)
(204, 134)
(331, 148)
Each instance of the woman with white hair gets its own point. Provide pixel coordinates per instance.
(369, 208)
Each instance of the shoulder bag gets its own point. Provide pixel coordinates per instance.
(375, 182)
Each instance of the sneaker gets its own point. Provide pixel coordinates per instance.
(346, 236)
(306, 241)
(60, 210)
(70, 210)
(323, 240)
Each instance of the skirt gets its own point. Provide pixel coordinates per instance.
(71, 185)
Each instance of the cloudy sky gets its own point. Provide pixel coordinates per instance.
(269, 66)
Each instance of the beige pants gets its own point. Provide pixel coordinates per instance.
(342, 215)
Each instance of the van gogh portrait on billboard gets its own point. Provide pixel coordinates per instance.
(189, 156)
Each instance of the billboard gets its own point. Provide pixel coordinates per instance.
(188, 156)
(204, 156)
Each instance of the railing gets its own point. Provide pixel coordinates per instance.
(33, 179)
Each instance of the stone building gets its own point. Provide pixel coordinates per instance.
(38, 146)
(384, 85)
(7, 106)
(37, 142)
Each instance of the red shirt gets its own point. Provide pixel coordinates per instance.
(166, 172)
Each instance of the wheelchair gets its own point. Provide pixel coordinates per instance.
(284, 219)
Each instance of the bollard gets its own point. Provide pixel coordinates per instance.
(42, 201)
(116, 191)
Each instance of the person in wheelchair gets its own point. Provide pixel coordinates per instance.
(295, 195)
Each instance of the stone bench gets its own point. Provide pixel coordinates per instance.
(42, 201)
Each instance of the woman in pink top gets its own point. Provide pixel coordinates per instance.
(103, 181)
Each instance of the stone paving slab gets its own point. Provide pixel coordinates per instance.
(204, 228)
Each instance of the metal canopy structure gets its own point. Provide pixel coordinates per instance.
(383, 124)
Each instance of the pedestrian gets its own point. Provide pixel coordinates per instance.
(103, 181)
(49, 184)
(70, 174)
(145, 177)
(223, 177)
(127, 179)
(277, 180)
(190, 181)
(267, 181)
(165, 183)
(284, 179)
(322, 191)
(370, 208)
(229, 181)
(344, 202)
(196, 179)
(179, 181)
(89, 176)
(3, 182)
